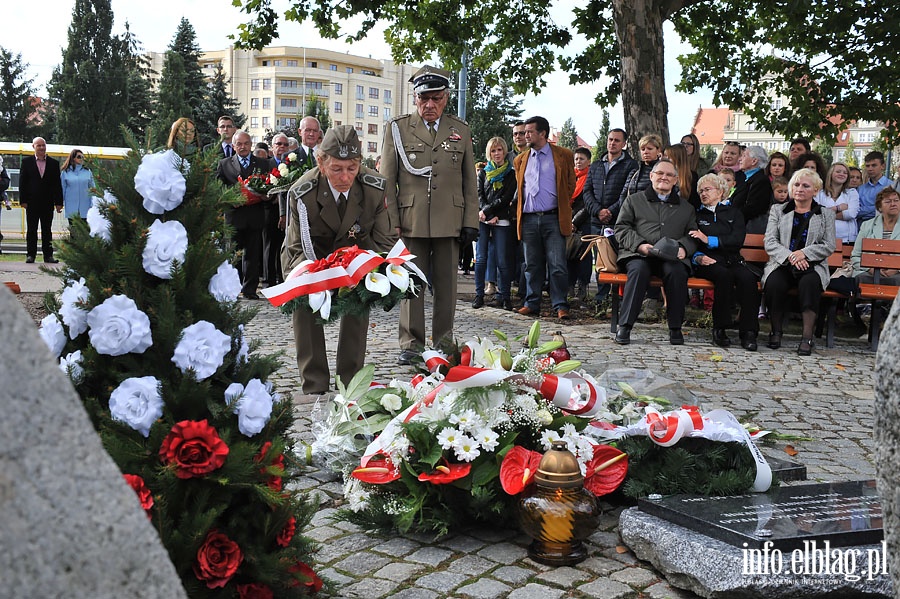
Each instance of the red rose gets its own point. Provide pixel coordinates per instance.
(254, 591)
(287, 533)
(307, 577)
(217, 560)
(194, 447)
(274, 481)
(143, 493)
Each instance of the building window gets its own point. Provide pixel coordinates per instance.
(338, 88)
(267, 103)
(373, 93)
(360, 92)
(338, 107)
(359, 111)
(387, 114)
(254, 84)
(267, 84)
(312, 64)
(373, 129)
(349, 69)
(265, 63)
(292, 63)
(373, 111)
(359, 127)
(288, 83)
(276, 63)
(266, 122)
(387, 96)
(254, 122)
(289, 102)
(332, 67)
(776, 103)
(254, 103)
(373, 147)
(338, 123)
(314, 85)
(287, 122)
(367, 72)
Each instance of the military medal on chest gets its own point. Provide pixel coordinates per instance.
(354, 231)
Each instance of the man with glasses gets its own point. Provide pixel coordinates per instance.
(310, 134)
(276, 220)
(226, 129)
(40, 189)
(646, 218)
(432, 200)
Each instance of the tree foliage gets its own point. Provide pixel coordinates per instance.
(490, 110)
(138, 88)
(319, 109)
(216, 103)
(17, 107)
(185, 45)
(90, 86)
(568, 137)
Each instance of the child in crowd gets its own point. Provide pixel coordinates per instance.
(728, 175)
(780, 189)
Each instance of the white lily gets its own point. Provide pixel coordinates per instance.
(378, 283)
(398, 276)
(320, 302)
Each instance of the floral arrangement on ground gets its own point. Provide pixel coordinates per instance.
(460, 443)
(151, 334)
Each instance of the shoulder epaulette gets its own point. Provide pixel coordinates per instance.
(374, 181)
(301, 188)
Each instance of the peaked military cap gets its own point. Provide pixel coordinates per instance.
(341, 142)
(430, 79)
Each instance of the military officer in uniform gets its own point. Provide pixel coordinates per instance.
(432, 200)
(337, 204)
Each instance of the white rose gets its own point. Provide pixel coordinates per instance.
(53, 334)
(253, 408)
(544, 417)
(202, 348)
(118, 327)
(391, 402)
(71, 365)
(159, 182)
(166, 243)
(99, 224)
(72, 314)
(292, 157)
(225, 285)
(233, 392)
(137, 402)
(283, 169)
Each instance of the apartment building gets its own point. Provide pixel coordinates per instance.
(273, 86)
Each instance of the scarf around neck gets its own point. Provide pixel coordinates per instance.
(580, 178)
(496, 172)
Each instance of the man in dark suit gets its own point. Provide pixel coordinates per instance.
(343, 206)
(310, 134)
(248, 220)
(40, 190)
(225, 128)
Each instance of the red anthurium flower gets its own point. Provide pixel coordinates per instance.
(377, 470)
(518, 468)
(606, 470)
(312, 582)
(446, 473)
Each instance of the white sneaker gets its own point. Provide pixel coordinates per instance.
(490, 288)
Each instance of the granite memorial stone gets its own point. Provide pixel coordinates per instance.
(70, 526)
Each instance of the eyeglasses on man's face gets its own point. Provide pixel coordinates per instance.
(664, 175)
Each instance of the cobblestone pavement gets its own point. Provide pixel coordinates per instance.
(828, 397)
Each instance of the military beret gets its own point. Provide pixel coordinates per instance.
(430, 79)
(340, 142)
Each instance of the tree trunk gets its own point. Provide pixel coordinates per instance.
(640, 35)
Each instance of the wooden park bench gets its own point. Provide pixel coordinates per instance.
(878, 254)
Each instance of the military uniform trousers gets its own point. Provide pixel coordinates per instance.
(438, 257)
(309, 339)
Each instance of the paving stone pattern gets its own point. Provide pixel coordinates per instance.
(828, 397)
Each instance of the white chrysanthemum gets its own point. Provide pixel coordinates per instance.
(356, 495)
(137, 402)
(448, 437)
(467, 420)
(160, 182)
(568, 430)
(253, 408)
(202, 348)
(118, 327)
(466, 448)
(225, 285)
(72, 314)
(398, 449)
(391, 402)
(99, 224)
(167, 243)
(487, 438)
(548, 437)
(53, 334)
(71, 365)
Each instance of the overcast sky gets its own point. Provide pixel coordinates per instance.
(154, 24)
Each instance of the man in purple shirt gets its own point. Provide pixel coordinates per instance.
(545, 176)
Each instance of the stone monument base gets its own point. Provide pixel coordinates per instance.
(714, 569)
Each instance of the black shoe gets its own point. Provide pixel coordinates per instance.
(676, 337)
(623, 334)
(774, 340)
(504, 303)
(51, 260)
(720, 338)
(407, 357)
(806, 347)
(748, 340)
(251, 296)
(29, 260)
(478, 302)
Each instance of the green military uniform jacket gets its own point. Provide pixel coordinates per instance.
(441, 205)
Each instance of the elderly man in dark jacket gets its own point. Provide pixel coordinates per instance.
(646, 218)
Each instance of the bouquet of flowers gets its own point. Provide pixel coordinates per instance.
(350, 280)
(255, 188)
(288, 171)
